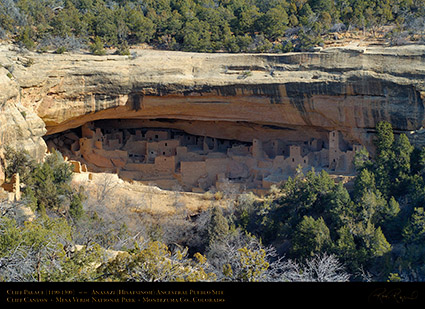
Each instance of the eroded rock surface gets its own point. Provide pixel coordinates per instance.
(290, 97)
(346, 89)
(20, 126)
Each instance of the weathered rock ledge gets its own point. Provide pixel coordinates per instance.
(239, 96)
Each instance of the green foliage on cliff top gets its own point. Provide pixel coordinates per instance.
(203, 25)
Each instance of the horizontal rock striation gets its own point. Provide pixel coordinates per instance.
(230, 96)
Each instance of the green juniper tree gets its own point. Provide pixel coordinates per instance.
(311, 237)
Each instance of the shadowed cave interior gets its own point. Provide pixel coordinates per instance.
(168, 153)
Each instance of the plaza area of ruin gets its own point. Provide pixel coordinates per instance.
(171, 158)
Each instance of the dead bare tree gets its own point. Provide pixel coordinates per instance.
(320, 268)
(15, 266)
(106, 187)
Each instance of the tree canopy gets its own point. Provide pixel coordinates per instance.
(202, 25)
(377, 226)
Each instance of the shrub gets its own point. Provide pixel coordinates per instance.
(18, 162)
(96, 48)
(25, 38)
(61, 50)
(207, 196)
(218, 195)
(123, 49)
(47, 183)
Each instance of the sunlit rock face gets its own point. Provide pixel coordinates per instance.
(20, 127)
(292, 97)
(348, 89)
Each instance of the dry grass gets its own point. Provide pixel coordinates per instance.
(139, 197)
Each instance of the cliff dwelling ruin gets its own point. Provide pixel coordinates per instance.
(209, 121)
(141, 150)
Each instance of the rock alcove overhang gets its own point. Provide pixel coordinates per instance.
(170, 152)
(292, 96)
(293, 111)
(234, 132)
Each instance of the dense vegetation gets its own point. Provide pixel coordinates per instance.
(202, 25)
(376, 230)
(75, 237)
(309, 229)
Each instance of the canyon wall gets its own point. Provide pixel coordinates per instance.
(20, 127)
(230, 96)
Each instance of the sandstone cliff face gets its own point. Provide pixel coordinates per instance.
(240, 96)
(20, 127)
